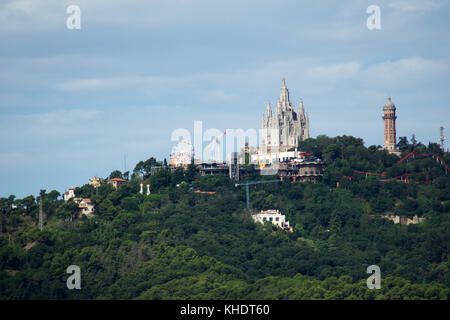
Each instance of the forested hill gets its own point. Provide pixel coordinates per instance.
(179, 244)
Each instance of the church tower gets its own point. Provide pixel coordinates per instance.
(304, 121)
(284, 128)
(389, 117)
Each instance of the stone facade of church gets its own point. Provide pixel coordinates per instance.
(284, 128)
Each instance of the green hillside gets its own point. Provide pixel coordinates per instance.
(179, 244)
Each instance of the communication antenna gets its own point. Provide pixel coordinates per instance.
(40, 211)
(124, 163)
(442, 138)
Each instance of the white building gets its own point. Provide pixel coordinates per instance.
(262, 158)
(273, 216)
(117, 182)
(69, 194)
(86, 206)
(404, 220)
(96, 182)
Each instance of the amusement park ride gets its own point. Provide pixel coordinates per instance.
(183, 151)
(404, 177)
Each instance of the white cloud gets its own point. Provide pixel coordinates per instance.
(37, 15)
(31, 15)
(161, 83)
(411, 6)
(406, 70)
(336, 71)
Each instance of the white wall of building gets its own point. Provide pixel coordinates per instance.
(69, 194)
(273, 216)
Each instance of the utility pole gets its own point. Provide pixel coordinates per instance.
(442, 139)
(41, 222)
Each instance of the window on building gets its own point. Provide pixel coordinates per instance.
(271, 219)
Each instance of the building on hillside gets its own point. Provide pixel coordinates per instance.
(69, 194)
(301, 169)
(86, 206)
(404, 220)
(96, 182)
(390, 134)
(285, 128)
(212, 168)
(295, 166)
(273, 216)
(271, 158)
(233, 166)
(117, 182)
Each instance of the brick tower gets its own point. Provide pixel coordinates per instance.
(389, 117)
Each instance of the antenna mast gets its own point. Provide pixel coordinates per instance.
(40, 210)
(442, 139)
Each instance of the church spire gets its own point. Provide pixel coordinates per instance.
(284, 97)
(268, 110)
(301, 109)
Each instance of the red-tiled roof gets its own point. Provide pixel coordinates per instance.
(118, 179)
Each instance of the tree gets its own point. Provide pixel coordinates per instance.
(402, 143)
(53, 195)
(192, 172)
(331, 152)
(413, 141)
(129, 204)
(106, 209)
(68, 210)
(177, 176)
(116, 174)
(143, 168)
(85, 191)
(30, 205)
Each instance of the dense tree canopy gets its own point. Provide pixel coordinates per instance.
(180, 244)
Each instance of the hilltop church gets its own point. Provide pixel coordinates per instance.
(280, 131)
(285, 128)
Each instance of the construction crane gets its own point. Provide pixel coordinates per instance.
(247, 183)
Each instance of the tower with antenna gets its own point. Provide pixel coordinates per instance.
(442, 139)
(41, 218)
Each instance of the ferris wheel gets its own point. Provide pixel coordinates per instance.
(182, 153)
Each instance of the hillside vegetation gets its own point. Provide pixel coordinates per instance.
(178, 244)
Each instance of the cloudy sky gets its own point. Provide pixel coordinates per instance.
(74, 102)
